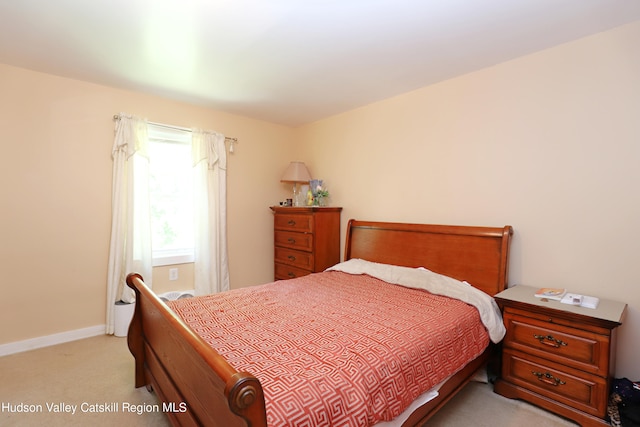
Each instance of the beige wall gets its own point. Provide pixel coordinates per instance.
(548, 143)
(55, 196)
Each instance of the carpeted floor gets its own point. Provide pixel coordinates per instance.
(478, 406)
(94, 377)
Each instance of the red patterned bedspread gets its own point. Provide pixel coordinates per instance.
(334, 349)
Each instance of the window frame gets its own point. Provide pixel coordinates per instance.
(165, 134)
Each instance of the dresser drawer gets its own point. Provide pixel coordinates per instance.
(294, 240)
(294, 222)
(585, 392)
(306, 240)
(284, 272)
(577, 348)
(295, 258)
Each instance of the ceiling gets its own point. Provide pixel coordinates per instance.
(288, 61)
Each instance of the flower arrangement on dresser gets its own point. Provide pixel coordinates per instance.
(317, 195)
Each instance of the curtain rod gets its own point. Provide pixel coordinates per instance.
(226, 138)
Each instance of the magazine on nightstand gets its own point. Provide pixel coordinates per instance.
(551, 293)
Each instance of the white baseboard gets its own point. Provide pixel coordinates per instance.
(48, 340)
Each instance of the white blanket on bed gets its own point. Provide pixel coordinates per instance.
(438, 284)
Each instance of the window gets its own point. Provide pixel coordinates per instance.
(171, 195)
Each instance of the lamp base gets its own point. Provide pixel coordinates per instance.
(300, 195)
(296, 201)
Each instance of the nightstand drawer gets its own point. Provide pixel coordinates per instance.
(294, 222)
(558, 356)
(578, 348)
(587, 393)
(289, 239)
(284, 272)
(295, 258)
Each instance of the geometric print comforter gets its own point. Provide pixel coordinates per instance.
(336, 349)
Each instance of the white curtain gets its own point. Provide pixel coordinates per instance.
(130, 249)
(211, 271)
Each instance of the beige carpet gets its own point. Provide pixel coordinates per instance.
(96, 374)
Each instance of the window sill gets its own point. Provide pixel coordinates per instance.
(159, 261)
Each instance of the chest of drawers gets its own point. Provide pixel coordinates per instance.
(306, 240)
(557, 356)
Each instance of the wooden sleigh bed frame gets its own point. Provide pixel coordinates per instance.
(198, 387)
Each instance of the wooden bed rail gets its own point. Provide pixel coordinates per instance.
(211, 382)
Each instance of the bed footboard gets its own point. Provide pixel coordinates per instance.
(196, 385)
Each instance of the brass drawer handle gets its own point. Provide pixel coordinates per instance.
(547, 378)
(291, 274)
(291, 240)
(291, 222)
(549, 340)
(291, 258)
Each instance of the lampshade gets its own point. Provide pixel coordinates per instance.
(296, 172)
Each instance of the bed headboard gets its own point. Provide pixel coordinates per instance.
(479, 255)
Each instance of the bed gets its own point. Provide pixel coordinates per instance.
(198, 386)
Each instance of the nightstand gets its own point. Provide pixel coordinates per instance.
(306, 240)
(558, 356)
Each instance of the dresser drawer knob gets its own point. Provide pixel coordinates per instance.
(291, 274)
(547, 378)
(291, 222)
(549, 340)
(291, 240)
(291, 258)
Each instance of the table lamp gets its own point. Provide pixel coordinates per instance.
(296, 172)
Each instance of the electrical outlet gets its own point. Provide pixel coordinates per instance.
(173, 274)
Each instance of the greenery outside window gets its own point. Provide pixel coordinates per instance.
(171, 195)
